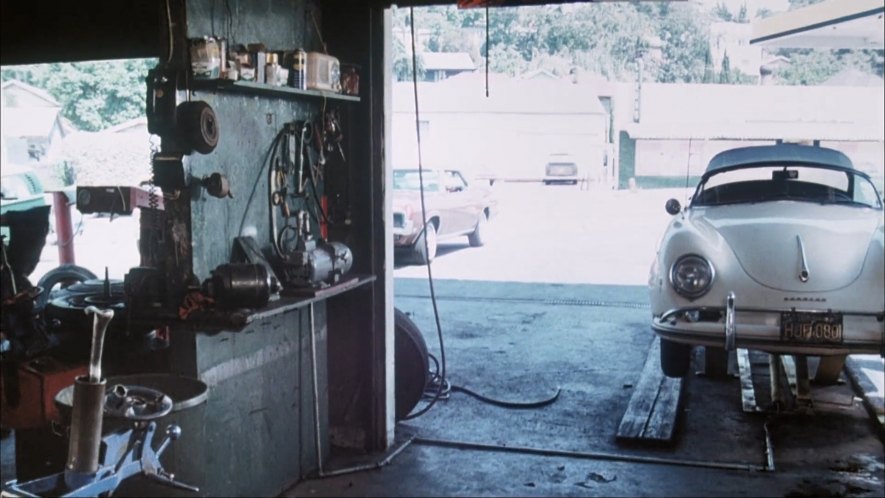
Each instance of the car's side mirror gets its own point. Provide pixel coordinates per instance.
(673, 207)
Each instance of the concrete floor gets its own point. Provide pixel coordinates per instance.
(521, 341)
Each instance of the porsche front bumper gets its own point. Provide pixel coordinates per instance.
(760, 328)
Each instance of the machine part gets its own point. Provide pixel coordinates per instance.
(27, 237)
(317, 263)
(197, 125)
(410, 360)
(136, 403)
(85, 443)
(134, 448)
(67, 277)
(116, 199)
(170, 172)
(100, 325)
(142, 289)
(246, 250)
(29, 388)
(63, 227)
(240, 285)
(217, 185)
(160, 108)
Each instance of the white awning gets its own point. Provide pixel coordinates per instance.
(830, 24)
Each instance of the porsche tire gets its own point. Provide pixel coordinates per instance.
(715, 362)
(675, 358)
(829, 370)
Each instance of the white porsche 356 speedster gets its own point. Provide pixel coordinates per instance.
(780, 250)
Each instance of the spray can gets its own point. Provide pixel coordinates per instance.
(298, 74)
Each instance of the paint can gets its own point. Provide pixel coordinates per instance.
(205, 58)
(298, 73)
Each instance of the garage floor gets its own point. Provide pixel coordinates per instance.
(521, 341)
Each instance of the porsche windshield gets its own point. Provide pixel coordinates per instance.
(793, 183)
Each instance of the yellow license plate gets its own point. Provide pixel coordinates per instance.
(811, 328)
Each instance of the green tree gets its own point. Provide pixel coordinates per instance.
(813, 67)
(708, 66)
(93, 95)
(742, 16)
(721, 12)
(685, 41)
(725, 72)
(403, 62)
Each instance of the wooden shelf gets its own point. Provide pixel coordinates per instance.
(250, 87)
(212, 321)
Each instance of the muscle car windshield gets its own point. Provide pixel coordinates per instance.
(765, 183)
(408, 179)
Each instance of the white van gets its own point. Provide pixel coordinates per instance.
(561, 168)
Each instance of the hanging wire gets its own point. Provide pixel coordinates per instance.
(487, 50)
(442, 349)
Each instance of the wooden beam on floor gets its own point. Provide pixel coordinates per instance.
(748, 392)
(652, 410)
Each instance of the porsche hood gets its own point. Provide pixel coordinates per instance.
(796, 247)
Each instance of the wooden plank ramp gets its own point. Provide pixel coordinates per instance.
(652, 410)
(748, 391)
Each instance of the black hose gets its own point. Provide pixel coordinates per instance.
(516, 405)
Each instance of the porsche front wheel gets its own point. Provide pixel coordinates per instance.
(675, 358)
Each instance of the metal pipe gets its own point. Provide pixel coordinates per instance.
(369, 466)
(589, 455)
(769, 449)
(730, 331)
(316, 417)
(84, 445)
(316, 391)
(64, 229)
(99, 327)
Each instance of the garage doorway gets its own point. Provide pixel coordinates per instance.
(556, 299)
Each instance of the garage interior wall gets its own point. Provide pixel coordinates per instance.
(255, 435)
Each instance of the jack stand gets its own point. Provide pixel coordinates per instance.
(779, 396)
(796, 369)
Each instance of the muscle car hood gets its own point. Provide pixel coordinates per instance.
(772, 241)
(408, 200)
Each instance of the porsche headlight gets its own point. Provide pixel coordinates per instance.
(691, 276)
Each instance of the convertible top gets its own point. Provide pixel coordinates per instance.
(780, 154)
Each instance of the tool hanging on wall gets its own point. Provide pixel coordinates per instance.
(197, 126)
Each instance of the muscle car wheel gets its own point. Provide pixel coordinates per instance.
(675, 358)
(425, 255)
(477, 238)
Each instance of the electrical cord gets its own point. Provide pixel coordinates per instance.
(442, 349)
(448, 388)
(438, 386)
(264, 164)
